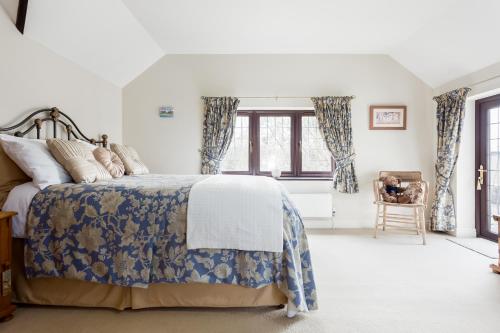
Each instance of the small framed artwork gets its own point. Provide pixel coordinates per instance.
(166, 111)
(387, 117)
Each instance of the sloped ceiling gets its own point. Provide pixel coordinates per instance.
(118, 39)
(101, 36)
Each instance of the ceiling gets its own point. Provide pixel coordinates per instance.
(118, 39)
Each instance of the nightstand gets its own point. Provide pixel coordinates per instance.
(6, 308)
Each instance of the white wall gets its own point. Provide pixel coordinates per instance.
(483, 83)
(32, 77)
(171, 145)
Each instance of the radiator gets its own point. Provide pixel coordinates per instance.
(316, 209)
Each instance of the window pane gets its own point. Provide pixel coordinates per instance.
(236, 158)
(275, 141)
(315, 155)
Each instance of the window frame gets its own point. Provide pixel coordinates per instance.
(295, 145)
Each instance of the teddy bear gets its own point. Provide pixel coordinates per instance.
(391, 189)
(392, 192)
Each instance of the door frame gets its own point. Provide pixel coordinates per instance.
(482, 229)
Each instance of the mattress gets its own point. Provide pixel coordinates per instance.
(19, 200)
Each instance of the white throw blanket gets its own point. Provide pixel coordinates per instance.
(235, 212)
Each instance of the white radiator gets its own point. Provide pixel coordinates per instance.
(316, 209)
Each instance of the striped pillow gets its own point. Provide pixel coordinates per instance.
(130, 158)
(78, 160)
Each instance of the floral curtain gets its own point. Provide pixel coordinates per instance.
(450, 115)
(218, 126)
(334, 119)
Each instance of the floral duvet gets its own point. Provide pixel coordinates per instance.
(132, 232)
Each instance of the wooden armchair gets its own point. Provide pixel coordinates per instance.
(412, 221)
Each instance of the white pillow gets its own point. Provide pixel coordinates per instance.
(34, 158)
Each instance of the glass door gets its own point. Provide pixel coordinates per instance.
(487, 166)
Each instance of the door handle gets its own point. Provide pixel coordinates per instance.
(480, 177)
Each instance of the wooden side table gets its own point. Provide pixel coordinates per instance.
(496, 268)
(6, 307)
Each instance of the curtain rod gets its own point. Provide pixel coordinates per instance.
(279, 97)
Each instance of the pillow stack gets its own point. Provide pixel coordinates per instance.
(78, 159)
(87, 164)
(57, 161)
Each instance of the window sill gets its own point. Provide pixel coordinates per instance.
(306, 178)
(286, 178)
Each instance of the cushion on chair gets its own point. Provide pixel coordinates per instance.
(413, 192)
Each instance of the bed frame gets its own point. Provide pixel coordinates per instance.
(58, 119)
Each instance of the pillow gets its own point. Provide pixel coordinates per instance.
(130, 158)
(110, 160)
(10, 176)
(78, 160)
(33, 157)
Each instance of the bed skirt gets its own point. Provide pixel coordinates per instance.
(63, 292)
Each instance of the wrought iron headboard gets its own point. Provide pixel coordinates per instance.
(58, 118)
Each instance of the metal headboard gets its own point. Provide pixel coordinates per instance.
(58, 118)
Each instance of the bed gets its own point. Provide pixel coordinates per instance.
(121, 244)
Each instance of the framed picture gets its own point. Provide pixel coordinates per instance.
(166, 111)
(387, 117)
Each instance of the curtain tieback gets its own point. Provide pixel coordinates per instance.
(206, 154)
(342, 163)
(441, 180)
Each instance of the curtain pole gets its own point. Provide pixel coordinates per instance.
(278, 97)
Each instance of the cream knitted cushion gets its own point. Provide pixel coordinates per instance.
(111, 161)
(130, 158)
(78, 160)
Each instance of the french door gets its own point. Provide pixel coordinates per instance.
(487, 166)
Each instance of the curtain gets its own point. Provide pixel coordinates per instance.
(334, 119)
(218, 127)
(450, 115)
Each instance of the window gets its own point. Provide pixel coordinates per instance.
(237, 156)
(288, 140)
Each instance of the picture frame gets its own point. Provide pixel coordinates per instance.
(166, 111)
(387, 117)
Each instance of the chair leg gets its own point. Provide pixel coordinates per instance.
(416, 219)
(385, 218)
(376, 221)
(422, 224)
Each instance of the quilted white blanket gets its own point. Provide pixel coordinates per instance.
(235, 212)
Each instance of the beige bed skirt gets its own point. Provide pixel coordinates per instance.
(55, 291)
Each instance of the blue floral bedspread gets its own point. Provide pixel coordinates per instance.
(132, 232)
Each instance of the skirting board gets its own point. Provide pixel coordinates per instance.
(464, 232)
(318, 223)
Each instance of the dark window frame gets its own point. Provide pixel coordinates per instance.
(482, 135)
(295, 145)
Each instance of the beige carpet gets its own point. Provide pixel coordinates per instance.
(391, 284)
(480, 245)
